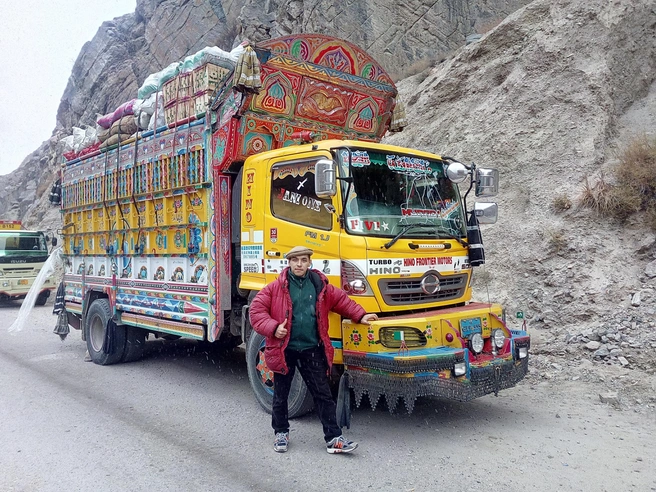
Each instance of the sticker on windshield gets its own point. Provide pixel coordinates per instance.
(355, 225)
(418, 212)
(408, 165)
(359, 158)
(360, 225)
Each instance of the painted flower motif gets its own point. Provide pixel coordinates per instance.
(429, 332)
(356, 338)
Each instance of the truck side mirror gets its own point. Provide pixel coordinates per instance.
(487, 182)
(457, 172)
(486, 212)
(324, 178)
(54, 241)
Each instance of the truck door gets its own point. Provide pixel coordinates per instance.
(295, 216)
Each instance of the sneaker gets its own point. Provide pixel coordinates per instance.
(281, 442)
(341, 445)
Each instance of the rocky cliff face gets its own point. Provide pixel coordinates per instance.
(112, 66)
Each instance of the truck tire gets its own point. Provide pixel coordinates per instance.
(95, 327)
(261, 379)
(135, 342)
(42, 298)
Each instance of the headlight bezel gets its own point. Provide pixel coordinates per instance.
(459, 369)
(522, 352)
(476, 343)
(498, 338)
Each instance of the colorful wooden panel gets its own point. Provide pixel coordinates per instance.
(330, 52)
(323, 102)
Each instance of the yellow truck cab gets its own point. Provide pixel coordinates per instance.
(389, 227)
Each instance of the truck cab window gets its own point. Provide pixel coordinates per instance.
(293, 197)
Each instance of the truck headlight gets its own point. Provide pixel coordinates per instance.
(476, 343)
(498, 338)
(522, 352)
(459, 369)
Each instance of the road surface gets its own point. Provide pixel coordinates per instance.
(185, 419)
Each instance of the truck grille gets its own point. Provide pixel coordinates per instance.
(408, 291)
(19, 271)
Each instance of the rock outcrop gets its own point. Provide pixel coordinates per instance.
(112, 66)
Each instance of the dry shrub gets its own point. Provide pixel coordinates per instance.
(633, 188)
(599, 196)
(561, 203)
(636, 175)
(556, 240)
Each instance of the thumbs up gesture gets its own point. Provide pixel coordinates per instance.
(281, 331)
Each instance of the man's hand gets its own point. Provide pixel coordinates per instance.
(368, 318)
(281, 331)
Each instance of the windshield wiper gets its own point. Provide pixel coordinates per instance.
(405, 228)
(451, 235)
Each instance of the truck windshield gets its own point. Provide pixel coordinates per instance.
(30, 246)
(391, 192)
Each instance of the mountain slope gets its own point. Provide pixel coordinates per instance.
(549, 97)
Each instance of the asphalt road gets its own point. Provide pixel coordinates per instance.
(185, 419)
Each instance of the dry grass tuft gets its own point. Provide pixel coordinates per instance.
(556, 240)
(636, 176)
(599, 196)
(561, 203)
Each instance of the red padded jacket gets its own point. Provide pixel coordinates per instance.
(273, 304)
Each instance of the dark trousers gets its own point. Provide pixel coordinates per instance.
(313, 367)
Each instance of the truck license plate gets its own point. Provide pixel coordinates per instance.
(469, 326)
(23, 281)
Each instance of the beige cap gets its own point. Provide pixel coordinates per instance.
(298, 251)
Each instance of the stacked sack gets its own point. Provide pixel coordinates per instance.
(149, 113)
(118, 125)
(83, 141)
(207, 69)
(187, 86)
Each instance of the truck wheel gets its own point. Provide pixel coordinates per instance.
(95, 327)
(261, 379)
(42, 299)
(135, 342)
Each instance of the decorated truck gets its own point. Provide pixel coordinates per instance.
(22, 255)
(173, 231)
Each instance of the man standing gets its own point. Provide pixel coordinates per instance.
(292, 314)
